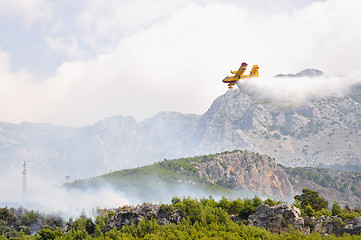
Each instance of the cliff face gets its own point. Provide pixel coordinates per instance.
(261, 174)
(247, 170)
(322, 131)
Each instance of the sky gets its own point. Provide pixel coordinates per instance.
(74, 63)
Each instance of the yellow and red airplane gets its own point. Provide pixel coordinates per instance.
(231, 80)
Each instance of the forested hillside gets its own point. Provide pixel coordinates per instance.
(236, 173)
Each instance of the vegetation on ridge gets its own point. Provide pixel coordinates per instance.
(222, 173)
(170, 173)
(202, 219)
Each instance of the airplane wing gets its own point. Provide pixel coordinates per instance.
(241, 70)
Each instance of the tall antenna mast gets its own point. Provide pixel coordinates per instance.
(24, 177)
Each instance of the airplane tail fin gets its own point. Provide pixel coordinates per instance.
(254, 71)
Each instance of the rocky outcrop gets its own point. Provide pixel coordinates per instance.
(277, 218)
(352, 227)
(333, 225)
(127, 215)
(247, 170)
(280, 217)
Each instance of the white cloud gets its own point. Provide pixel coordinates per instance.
(28, 11)
(104, 22)
(67, 45)
(15, 91)
(153, 56)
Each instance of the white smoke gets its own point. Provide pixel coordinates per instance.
(51, 197)
(286, 93)
(48, 196)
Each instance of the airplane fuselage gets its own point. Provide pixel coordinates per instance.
(234, 79)
(231, 80)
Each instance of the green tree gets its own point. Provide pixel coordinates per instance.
(45, 234)
(247, 209)
(31, 218)
(98, 231)
(336, 209)
(83, 224)
(113, 234)
(7, 216)
(312, 198)
(224, 204)
(256, 201)
(309, 211)
(25, 229)
(235, 206)
(7, 231)
(100, 222)
(192, 209)
(269, 202)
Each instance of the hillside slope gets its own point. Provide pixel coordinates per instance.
(235, 174)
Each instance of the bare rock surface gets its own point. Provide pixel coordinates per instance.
(248, 170)
(277, 218)
(132, 215)
(280, 217)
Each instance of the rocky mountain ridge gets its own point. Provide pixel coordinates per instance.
(236, 173)
(310, 72)
(323, 131)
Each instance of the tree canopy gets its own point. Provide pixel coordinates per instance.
(312, 198)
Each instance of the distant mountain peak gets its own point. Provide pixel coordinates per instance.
(309, 72)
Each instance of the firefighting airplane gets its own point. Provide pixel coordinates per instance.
(231, 80)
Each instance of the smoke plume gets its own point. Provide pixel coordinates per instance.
(51, 197)
(286, 93)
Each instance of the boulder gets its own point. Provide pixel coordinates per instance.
(277, 218)
(352, 226)
(280, 217)
(128, 215)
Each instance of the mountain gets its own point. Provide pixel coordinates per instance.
(321, 132)
(310, 72)
(236, 174)
(113, 143)
(231, 173)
